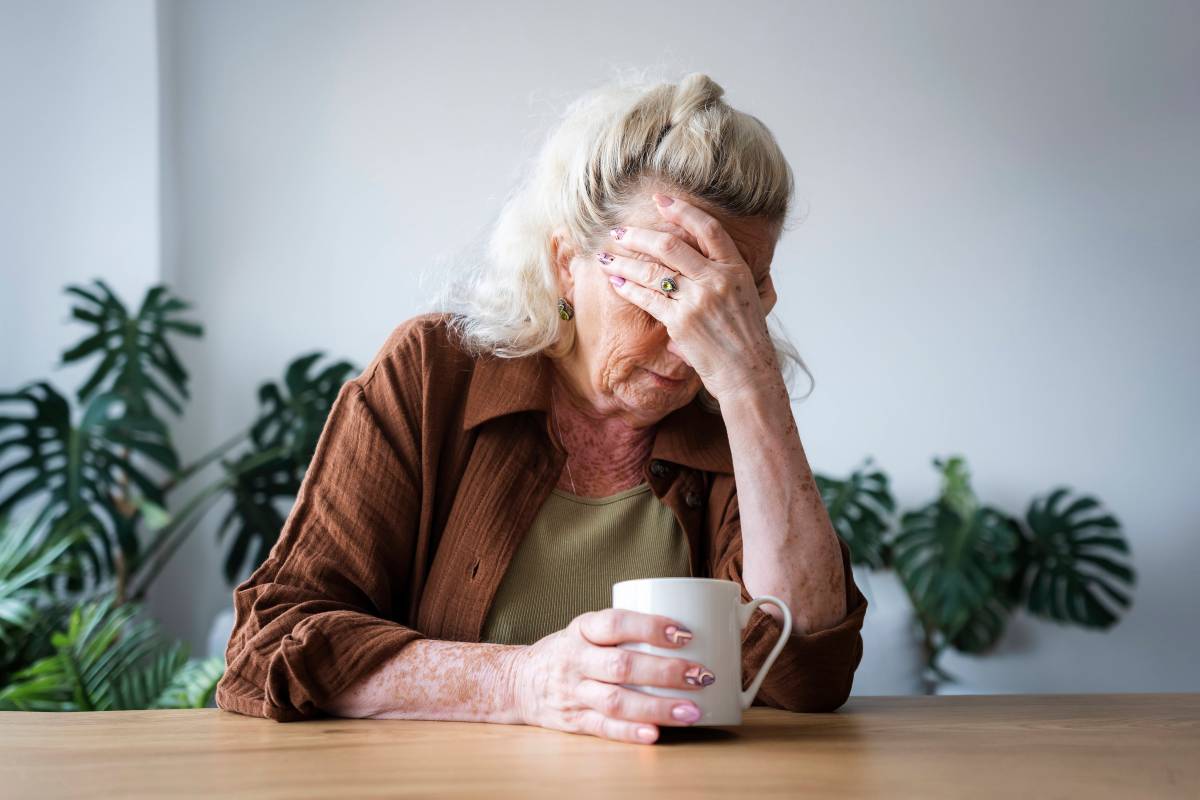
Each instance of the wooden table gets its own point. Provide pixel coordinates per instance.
(1037, 746)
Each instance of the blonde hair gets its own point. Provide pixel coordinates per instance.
(585, 178)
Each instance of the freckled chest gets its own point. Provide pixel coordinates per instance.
(598, 463)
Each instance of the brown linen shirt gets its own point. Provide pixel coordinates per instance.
(430, 467)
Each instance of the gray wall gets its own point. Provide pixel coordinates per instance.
(79, 168)
(997, 255)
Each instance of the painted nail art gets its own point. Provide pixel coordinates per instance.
(617, 233)
(604, 258)
(678, 634)
(698, 676)
(685, 712)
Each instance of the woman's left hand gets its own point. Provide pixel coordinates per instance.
(716, 317)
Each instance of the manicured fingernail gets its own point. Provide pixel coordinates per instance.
(678, 634)
(616, 280)
(698, 676)
(663, 200)
(685, 713)
(647, 734)
(616, 233)
(604, 258)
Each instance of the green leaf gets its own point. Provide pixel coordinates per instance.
(262, 493)
(155, 516)
(139, 362)
(85, 472)
(194, 685)
(142, 687)
(955, 557)
(983, 627)
(284, 437)
(860, 507)
(1074, 562)
(109, 658)
(31, 557)
(292, 415)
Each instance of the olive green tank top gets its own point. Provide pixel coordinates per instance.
(572, 554)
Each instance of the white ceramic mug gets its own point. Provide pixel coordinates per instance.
(713, 611)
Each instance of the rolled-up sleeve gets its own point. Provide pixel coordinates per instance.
(319, 613)
(815, 669)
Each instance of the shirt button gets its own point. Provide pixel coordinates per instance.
(692, 499)
(659, 469)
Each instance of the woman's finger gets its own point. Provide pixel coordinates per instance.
(715, 242)
(618, 702)
(610, 626)
(652, 301)
(648, 273)
(596, 724)
(618, 665)
(665, 248)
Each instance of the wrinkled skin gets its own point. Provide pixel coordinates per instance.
(618, 341)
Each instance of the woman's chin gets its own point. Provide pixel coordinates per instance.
(658, 398)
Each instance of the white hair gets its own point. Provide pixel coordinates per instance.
(585, 178)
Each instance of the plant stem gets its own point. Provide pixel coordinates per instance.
(929, 650)
(187, 472)
(122, 577)
(170, 537)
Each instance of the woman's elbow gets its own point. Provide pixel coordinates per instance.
(814, 685)
(815, 700)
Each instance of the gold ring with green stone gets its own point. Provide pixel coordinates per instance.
(668, 285)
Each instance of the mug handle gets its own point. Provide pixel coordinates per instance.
(744, 612)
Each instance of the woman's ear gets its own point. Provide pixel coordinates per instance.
(562, 253)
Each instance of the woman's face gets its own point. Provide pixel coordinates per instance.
(623, 359)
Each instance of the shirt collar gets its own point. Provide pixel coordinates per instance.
(692, 435)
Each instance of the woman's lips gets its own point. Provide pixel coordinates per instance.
(664, 381)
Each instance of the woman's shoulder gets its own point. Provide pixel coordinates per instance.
(425, 341)
(420, 361)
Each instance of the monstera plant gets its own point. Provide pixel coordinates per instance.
(95, 476)
(283, 439)
(967, 567)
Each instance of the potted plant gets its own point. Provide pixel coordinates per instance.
(96, 484)
(966, 567)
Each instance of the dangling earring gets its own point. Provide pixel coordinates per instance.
(565, 311)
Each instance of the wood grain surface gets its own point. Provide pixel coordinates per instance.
(1041, 746)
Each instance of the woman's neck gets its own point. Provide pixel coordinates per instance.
(605, 454)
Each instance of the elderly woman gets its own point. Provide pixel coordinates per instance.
(578, 420)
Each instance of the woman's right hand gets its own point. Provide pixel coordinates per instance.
(570, 680)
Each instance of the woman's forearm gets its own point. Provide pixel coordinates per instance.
(789, 547)
(436, 679)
